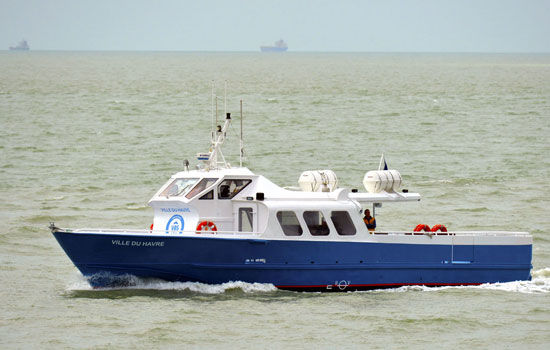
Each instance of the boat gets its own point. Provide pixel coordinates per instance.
(219, 223)
(22, 46)
(278, 46)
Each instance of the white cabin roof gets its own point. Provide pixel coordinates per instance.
(364, 197)
(274, 192)
(201, 173)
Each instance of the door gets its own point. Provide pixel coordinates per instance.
(247, 218)
(463, 249)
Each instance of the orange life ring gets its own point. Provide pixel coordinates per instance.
(206, 226)
(421, 227)
(439, 227)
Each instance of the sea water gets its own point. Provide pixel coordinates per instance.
(87, 138)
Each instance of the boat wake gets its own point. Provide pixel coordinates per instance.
(142, 284)
(540, 283)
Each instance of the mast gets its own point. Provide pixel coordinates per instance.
(215, 159)
(217, 144)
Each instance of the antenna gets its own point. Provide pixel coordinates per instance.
(219, 133)
(212, 113)
(241, 141)
(225, 99)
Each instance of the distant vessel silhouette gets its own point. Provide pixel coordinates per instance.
(22, 46)
(279, 46)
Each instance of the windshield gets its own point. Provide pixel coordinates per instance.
(201, 186)
(230, 188)
(179, 187)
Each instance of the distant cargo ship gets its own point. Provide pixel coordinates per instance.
(22, 46)
(279, 46)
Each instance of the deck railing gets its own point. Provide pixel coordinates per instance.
(159, 232)
(454, 233)
(375, 233)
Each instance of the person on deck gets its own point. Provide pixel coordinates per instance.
(369, 221)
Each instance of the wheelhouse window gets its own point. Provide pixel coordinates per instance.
(231, 187)
(316, 223)
(201, 186)
(342, 222)
(179, 187)
(246, 220)
(208, 195)
(289, 223)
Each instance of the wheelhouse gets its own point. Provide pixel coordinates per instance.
(235, 201)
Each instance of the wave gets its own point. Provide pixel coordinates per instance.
(472, 210)
(134, 206)
(539, 284)
(465, 181)
(391, 114)
(134, 283)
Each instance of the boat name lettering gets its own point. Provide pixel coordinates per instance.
(137, 243)
(250, 261)
(175, 210)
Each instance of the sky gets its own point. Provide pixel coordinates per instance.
(244, 25)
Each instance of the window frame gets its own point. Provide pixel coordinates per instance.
(206, 180)
(336, 223)
(182, 192)
(316, 230)
(249, 215)
(286, 232)
(208, 196)
(232, 195)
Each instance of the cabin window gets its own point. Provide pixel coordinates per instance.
(179, 187)
(342, 222)
(231, 187)
(246, 220)
(289, 223)
(201, 186)
(208, 195)
(316, 223)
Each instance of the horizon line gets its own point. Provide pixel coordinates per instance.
(275, 53)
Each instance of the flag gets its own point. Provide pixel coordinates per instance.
(382, 158)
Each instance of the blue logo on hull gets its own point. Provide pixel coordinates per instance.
(175, 224)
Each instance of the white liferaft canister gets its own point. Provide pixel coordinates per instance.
(318, 181)
(382, 180)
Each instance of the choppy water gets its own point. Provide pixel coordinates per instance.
(87, 138)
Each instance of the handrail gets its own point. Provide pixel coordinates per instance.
(237, 233)
(159, 232)
(455, 233)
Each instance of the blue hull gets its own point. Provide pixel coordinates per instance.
(295, 265)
